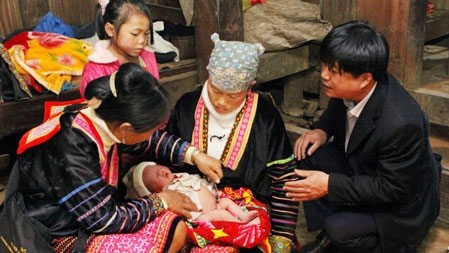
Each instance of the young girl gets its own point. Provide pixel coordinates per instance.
(127, 25)
(123, 27)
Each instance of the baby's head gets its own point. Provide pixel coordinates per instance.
(146, 178)
(156, 177)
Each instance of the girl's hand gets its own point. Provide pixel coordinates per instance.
(178, 203)
(209, 166)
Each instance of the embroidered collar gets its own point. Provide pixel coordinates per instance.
(108, 160)
(239, 135)
(107, 136)
(224, 120)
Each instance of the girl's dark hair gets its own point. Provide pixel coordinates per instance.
(117, 12)
(355, 47)
(140, 101)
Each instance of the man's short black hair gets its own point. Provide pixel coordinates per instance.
(355, 47)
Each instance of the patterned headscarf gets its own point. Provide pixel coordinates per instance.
(233, 64)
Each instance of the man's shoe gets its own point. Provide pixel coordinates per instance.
(322, 244)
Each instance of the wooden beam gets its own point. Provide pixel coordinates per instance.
(402, 23)
(224, 17)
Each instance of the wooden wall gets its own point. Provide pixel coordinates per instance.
(19, 14)
(338, 12)
(214, 16)
(401, 21)
(440, 4)
(403, 24)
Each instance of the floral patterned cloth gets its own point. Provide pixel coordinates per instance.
(50, 58)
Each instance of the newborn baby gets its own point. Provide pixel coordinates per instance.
(149, 177)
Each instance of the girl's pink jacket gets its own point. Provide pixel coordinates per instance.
(102, 63)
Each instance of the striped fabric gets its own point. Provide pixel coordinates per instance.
(284, 212)
(161, 146)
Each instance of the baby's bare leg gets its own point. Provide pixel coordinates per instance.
(236, 210)
(217, 215)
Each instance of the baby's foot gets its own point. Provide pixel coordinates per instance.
(249, 216)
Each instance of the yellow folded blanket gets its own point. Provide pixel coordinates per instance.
(51, 59)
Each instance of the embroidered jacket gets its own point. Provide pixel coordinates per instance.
(259, 156)
(69, 177)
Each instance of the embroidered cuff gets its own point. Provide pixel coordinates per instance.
(159, 204)
(164, 204)
(191, 151)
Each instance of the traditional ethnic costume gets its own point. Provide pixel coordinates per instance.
(251, 141)
(256, 150)
(70, 182)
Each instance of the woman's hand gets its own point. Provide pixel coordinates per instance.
(315, 138)
(178, 203)
(209, 166)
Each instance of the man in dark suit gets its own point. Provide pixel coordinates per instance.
(370, 179)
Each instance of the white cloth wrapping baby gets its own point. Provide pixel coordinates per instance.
(188, 184)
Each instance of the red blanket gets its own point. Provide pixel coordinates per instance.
(242, 235)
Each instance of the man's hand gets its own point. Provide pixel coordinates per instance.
(314, 185)
(209, 166)
(315, 138)
(178, 203)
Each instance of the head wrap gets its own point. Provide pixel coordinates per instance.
(233, 64)
(134, 181)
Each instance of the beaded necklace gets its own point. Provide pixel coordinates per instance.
(204, 138)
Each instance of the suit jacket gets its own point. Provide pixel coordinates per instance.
(391, 168)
